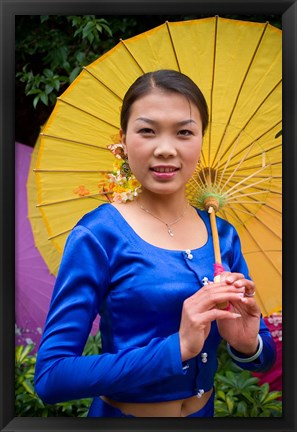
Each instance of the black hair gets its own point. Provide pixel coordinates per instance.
(168, 80)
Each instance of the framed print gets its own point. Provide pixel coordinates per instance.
(150, 14)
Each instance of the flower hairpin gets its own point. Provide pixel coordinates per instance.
(121, 184)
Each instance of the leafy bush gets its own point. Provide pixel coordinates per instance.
(52, 50)
(238, 393)
(28, 403)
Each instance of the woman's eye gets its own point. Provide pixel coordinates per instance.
(146, 131)
(185, 132)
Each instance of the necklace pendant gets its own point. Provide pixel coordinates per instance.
(170, 232)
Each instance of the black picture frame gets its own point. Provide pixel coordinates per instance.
(9, 9)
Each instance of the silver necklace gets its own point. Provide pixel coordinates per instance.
(168, 225)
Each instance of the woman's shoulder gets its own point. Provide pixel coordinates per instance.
(102, 219)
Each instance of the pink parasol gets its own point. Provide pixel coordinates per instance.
(33, 281)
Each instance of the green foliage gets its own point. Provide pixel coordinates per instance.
(52, 50)
(238, 393)
(28, 403)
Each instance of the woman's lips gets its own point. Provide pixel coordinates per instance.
(164, 172)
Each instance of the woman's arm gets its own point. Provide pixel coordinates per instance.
(62, 373)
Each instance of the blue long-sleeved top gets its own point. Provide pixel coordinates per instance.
(138, 289)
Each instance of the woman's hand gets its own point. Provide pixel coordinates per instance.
(242, 333)
(200, 310)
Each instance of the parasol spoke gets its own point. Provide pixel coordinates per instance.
(237, 166)
(207, 163)
(44, 170)
(254, 114)
(42, 134)
(231, 211)
(122, 42)
(45, 204)
(54, 236)
(259, 154)
(173, 46)
(77, 108)
(265, 189)
(242, 84)
(245, 180)
(108, 88)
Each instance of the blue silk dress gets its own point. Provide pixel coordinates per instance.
(138, 290)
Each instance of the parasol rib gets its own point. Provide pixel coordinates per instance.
(264, 252)
(252, 116)
(39, 170)
(255, 155)
(212, 90)
(73, 141)
(173, 46)
(254, 216)
(262, 189)
(229, 160)
(102, 83)
(131, 55)
(59, 234)
(220, 157)
(72, 199)
(88, 113)
(244, 79)
(247, 178)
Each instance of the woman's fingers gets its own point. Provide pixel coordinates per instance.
(239, 281)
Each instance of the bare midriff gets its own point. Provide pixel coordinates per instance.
(175, 408)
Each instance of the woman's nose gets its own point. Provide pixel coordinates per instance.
(165, 148)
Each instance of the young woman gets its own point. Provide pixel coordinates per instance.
(142, 266)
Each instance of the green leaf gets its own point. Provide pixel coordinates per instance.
(28, 387)
(74, 74)
(36, 100)
(48, 73)
(44, 98)
(23, 352)
(44, 18)
(220, 395)
(107, 29)
(242, 409)
(33, 91)
(230, 404)
(254, 412)
(48, 89)
(272, 396)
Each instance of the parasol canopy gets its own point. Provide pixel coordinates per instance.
(238, 67)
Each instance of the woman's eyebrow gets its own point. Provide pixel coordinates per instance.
(151, 121)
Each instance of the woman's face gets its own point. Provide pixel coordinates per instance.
(163, 141)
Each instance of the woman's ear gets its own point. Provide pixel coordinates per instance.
(123, 141)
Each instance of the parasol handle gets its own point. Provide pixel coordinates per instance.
(216, 246)
(215, 235)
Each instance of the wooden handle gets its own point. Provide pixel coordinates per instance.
(216, 246)
(215, 235)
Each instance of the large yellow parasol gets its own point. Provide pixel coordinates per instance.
(237, 65)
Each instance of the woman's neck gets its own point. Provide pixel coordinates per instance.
(163, 206)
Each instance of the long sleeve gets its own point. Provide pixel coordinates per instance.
(62, 373)
(268, 356)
